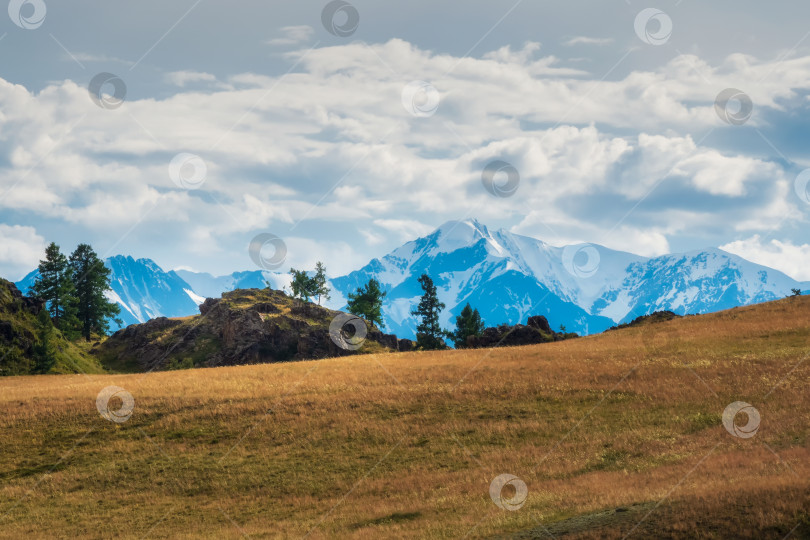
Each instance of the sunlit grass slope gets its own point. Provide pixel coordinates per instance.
(612, 434)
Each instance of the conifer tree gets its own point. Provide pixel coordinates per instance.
(301, 287)
(55, 285)
(367, 302)
(468, 323)
(91, 280)
(319, 287)
(44, 351)
(429, 333)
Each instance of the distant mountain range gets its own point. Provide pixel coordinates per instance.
(508, 277)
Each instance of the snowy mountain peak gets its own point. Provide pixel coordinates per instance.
(454, 235)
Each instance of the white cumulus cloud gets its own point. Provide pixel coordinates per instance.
(790, 258)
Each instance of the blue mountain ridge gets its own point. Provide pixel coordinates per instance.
(506, 276)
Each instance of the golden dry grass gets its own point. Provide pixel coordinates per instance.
(406, 445)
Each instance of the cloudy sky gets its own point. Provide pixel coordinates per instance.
(346, 130)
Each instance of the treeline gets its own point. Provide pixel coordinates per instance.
(429, 333)
(367, 301)
(73, 288)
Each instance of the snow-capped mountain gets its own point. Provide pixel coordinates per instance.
(587, 288)
(507, 277)
(142, 289)
(213, 286)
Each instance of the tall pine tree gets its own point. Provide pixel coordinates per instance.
(429, 333)
(55, 285)
(91, 280)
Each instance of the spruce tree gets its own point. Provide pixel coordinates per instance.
(55, 285)
(367, 302)
(468, 324)
(44, 351)
(91, 280)
(429, 333)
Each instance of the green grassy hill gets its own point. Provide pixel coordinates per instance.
(18, 335)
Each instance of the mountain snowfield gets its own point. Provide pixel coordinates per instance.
(587, 288)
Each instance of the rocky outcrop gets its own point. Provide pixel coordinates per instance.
(16, 319)
(536, 331)
(17, 329)
(541, 323)
(247, 326)
(13, 301)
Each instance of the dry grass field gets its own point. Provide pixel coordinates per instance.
(616, 435)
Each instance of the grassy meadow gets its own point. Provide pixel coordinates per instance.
(616, 435)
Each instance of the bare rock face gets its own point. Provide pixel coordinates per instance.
(248, 326)
(208, 305)
(541, 323)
